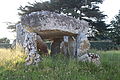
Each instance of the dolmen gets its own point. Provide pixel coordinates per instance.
(67, 35)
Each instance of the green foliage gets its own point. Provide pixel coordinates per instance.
(104, 45)
(102, 31)
(63, 68)
(4, 40)
(115, 29)
(12, 26)
(69, 7)
(5, 45)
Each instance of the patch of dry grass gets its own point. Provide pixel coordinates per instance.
(9, 56)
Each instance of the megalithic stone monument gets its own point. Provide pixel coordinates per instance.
(64, 32)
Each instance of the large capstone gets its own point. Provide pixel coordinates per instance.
(52, 25)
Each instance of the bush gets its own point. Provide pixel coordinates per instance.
(104, 45)
(5, 45)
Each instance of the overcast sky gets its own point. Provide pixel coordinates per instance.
(8, 13)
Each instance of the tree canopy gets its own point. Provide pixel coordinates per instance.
(115, 29)
(81, 9)
(4, 40)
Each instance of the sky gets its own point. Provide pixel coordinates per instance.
(9, 13)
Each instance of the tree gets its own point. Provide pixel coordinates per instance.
(4, 40)
(12, 26)
(81, 9)
(115, 29)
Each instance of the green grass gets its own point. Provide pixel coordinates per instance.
(60, 67)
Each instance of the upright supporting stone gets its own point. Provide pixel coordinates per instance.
(55, 47)
(64, 46)
(20, 34)
(82, 44)
(27, 40)
(30, 47)
(71, 46)
(68, 46)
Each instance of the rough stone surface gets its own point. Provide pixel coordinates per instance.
(51, 24)
(68, 46)
(27, 40)
(90, 57)
(29, 45)
(75, 46)
(82, 44)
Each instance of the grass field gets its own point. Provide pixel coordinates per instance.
(59, 67)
